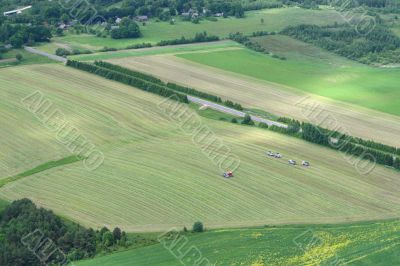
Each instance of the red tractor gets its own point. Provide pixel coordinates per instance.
(228, 174)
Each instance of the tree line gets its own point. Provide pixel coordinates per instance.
(26, 229)
(129, 80)
(369, 150)
(255, 46)
(199, 37)
(349, 145)
(378, 45)
(169, 85)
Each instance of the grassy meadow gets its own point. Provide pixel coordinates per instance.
(176, 49)
(3, 204)
(8, 58)
(154, 176)
(311, 70)
(356, 244)
(153, 32)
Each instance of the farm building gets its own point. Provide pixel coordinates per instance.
(16, 11)
(142, 18)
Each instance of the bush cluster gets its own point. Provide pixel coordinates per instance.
(199, 37)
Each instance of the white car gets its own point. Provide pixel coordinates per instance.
(305, 163)
(292, 162)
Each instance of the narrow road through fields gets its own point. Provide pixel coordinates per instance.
(231, 111)
(50, 56)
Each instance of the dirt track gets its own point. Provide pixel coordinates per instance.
(273, 98)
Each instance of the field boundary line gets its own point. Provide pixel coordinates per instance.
(40, 168)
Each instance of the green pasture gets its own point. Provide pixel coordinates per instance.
(312, 70)
(153, 31)
(186, 48)
(354, 244)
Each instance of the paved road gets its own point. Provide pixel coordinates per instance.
(233, 111)
(50, 56)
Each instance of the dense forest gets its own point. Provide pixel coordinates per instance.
(35, 236)
(379, 45)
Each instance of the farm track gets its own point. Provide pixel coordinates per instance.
(252, 93)
(50, 56)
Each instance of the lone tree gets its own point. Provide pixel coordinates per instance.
(247, 120)
(198, 227)
(127, 29)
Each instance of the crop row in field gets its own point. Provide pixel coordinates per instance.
(154, 176)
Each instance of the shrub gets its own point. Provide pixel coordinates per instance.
(62, 52)
(198, 227)
(19, 57)
(247, 120)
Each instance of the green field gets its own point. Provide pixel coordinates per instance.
(312, 70)
(40, 168)
(3, 205)
(153, 32)
(8, 58)
(186, 48)
(356, 244)
(154, 176)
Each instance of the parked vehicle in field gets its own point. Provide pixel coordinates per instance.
(292, 162)
(273, 154)
(228, 174)
(305, 163)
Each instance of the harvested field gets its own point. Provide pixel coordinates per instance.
(154, 176)
(274, 98)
